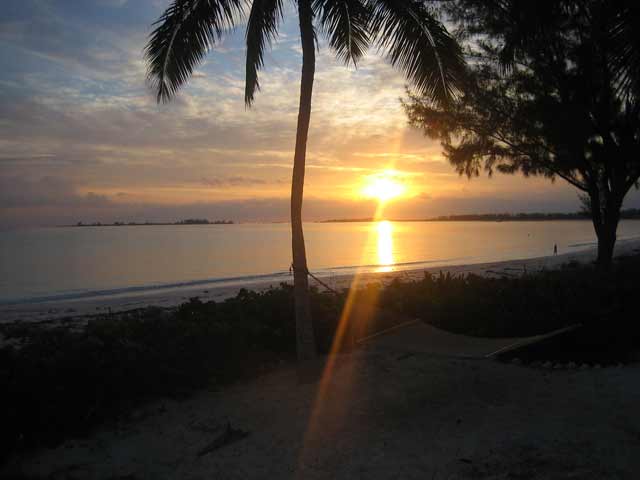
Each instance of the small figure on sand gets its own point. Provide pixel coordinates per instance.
(555, 249)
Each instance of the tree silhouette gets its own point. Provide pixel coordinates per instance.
(406, 31)
(624, 35)
(552, 92)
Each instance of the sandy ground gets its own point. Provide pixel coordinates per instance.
(417, 403)
(47, 311)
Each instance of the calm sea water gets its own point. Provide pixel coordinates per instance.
(77, 262)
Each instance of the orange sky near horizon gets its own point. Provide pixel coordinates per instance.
(83, 139)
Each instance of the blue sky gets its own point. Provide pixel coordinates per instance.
(83, 139)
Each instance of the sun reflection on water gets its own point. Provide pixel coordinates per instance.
(385, 246)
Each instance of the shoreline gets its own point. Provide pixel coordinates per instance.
(84, 308)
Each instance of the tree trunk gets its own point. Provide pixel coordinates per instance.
(605, 221)
(606, 244)
(305, 342)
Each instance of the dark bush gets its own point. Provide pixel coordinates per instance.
(64, 381)
(522, 306)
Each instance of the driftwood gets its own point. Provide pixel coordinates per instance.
(228, 436)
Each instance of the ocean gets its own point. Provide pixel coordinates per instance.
(80, 262)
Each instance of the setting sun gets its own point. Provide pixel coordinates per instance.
(383, 188)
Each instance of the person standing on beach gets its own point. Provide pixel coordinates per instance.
(555, 249)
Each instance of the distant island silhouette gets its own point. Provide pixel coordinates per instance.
(188, 221)
(631, 213)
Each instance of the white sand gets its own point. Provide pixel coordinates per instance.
(48, 311)
(391, 410)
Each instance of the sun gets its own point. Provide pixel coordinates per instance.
(383, 188)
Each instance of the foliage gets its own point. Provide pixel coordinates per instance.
(407, 32)
(625, 38)
(525, 305)
(543, 98)
(63, 381)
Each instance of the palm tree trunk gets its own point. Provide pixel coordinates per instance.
(305, 342)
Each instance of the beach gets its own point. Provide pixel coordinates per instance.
(367, 239)
(417, 403)
(55, 311)
(407, 402)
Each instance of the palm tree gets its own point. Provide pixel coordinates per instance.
(624, 35)
(406, 31)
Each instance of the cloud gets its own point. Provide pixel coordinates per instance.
(113, 3)
(222, 182)
(19, 192)
(76, 117)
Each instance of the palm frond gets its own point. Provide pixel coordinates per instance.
(625, 43)
(184, 34)
(418, 44)
(345, 23)
(262, 28)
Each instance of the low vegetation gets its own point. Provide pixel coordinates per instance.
(61, 382)
(518, 306)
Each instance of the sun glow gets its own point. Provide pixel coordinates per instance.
(383, 187)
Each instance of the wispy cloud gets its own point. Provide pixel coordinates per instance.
(74, 105)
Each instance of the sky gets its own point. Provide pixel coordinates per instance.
(83, 139)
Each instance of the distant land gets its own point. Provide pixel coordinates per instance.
(188, 221)
(632, 213)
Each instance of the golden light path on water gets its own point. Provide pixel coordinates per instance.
(385, 246)
(332, 405)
